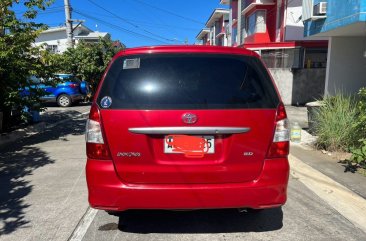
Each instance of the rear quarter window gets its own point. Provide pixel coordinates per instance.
(188, 81)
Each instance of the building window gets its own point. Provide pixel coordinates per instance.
(283, 58)
(52, 48)
(295, 58)
(256, 22)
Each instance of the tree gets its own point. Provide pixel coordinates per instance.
(19, 59)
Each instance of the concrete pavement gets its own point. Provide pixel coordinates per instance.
(51, 116)
(43, 193)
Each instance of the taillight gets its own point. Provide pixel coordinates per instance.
(280, 145)
(96, 148)
(73, 85)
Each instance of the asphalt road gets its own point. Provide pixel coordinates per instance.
(43, 197)
(304, 217)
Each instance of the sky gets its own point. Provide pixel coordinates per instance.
(136, 22)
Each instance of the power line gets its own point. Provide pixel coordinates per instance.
(150, 24)
(116, 27)
(132, 24)
(141, 9)
(169, 12)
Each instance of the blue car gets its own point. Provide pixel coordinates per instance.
(69, 90)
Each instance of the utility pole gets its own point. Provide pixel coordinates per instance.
(2, 20)
(69, 30)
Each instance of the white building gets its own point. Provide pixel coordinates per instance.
(55, 38)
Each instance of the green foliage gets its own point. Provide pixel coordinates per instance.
(359, 154)
(18, 57)
(359, 151)
(335, 123)
(361, 107)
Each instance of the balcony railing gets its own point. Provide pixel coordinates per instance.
(249, 4)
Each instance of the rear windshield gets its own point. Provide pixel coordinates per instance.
(187, 81)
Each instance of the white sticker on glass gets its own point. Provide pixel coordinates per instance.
(131, 63)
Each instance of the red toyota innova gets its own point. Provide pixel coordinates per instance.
(187, 127)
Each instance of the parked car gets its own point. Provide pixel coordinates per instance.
(149, 105)
(68, 90)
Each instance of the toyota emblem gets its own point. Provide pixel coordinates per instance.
(189, 118)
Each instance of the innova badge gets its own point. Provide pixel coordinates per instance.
(189, 118)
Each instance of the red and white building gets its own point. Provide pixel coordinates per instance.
(275, 30)
(217, 29)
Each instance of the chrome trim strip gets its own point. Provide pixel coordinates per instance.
(188, 130)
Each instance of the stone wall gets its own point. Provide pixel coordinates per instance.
(299, 86)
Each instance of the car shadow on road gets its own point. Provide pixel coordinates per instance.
(18, 161)
(51, 104)
(202, 221)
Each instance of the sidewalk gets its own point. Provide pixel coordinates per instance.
(43, 192)
(52, 116)
(325, 164)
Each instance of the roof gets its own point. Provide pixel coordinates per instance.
(92, 35)
(225, 2)
(216, 14)
(63, 28)
(286, 45)
(202, 33)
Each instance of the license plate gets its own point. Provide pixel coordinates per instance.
(189, 144)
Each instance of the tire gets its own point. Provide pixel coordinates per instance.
(254, 211)
(250, 210)
(115, 213)
(64, 100)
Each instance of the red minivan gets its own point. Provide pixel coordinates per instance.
(187, 127)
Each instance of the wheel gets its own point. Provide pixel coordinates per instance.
(64, 100)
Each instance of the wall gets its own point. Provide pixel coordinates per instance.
(51, 36)
(284, 80)
(298, 87)
(339, 14)
(58, 38)
(61, 44)
(294, 25)
(270, 18)
(346, 65)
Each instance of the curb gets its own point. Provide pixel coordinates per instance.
(345, 201)
(83, 225)
(38, 128)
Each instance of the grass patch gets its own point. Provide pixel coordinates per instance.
(336, 118)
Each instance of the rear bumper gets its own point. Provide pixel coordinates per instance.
(107, 192)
